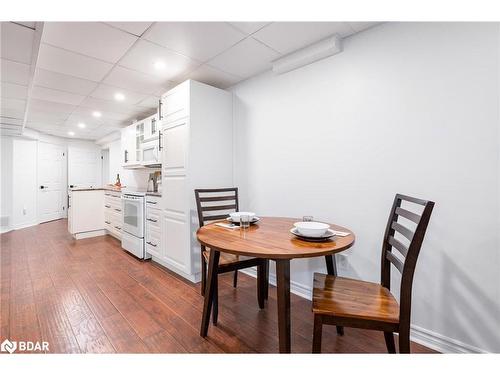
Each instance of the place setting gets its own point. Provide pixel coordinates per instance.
(314, 231)
(241, 219)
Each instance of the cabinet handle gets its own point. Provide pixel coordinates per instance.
(119, 228)
(152, 220)
(159, 110)
(117, 209)
(107, 222)
(152, 244)
(107, 206)
(126, 156)
(150, 202)
(159, 141)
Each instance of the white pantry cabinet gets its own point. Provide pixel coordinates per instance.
(197, 133)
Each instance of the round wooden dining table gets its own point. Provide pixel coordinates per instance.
(270, 238)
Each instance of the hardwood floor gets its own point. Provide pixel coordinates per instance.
(90, 296)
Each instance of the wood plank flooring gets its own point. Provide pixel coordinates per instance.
(89, 296)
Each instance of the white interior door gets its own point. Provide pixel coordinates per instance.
(84, 167)
(51, 186)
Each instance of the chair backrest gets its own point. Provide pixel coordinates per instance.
(407, 242)
(215, 204)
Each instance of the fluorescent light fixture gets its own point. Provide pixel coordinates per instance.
(71, 134)
(96, 114)
(317, 51)
(160, 65)
(81, 125)
(119, 97)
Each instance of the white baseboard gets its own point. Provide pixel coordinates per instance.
(430, 339)
(194, 278)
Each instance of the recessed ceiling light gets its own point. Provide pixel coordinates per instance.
(159, 65)
(71, 133)
(96, 114)
(81, 125)
(119, 97)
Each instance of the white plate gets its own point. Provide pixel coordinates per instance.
(311, 228)
(253, 221)
(329, 233)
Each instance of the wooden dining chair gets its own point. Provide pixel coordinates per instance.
(216, 204)
(359, 304)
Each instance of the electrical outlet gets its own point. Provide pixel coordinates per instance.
(342, 261)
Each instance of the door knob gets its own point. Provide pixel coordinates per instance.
(42, 187)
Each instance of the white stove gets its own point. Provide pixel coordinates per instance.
(133, 209)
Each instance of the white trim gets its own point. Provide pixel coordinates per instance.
(440, 342)
(194, 278)
(25, 225)
(89, 234)
(430, 339)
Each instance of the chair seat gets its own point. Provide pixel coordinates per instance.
(349, 298)
(224, 258)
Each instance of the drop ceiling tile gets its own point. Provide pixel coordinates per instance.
(11, 120)
(107, 92)
(106, 107)
(94, 39)
(249, 27)
(150, 102)
(70, 63)
(12, 112)
(14, 72)
(14, 104)
(31, 25)
(136, 28)
(57, 96)
(53, 118)
(245, 59)
(63, 82)
(13, 91)
(51, 107)
(214, 77)
(17, 42)
(198, 40)
(286, 37)
(144, 54)
(360, 26)
(137, 81)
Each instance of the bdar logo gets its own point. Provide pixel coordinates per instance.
(8, 346)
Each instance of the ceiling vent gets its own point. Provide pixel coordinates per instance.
(317, 51)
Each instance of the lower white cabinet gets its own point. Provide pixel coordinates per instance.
(113, 216)
(154, 241)
(176, 237)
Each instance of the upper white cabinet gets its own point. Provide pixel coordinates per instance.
(141, 143)
(197, 133)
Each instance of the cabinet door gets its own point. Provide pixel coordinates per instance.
(128, 144)
(176, 245)
(175, 103)
(174, 145)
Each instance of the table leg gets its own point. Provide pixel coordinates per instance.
(213, 265)
(283, 281)
(331, 267)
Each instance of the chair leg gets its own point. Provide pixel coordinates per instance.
(266, 283)
(261, 278)
(215, 308)
(389, 342)
(317, 333)
(404, 341)
(203, 274)
(235, 279)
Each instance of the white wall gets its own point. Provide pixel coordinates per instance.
(5, 183)
(19, 175)
(410, 108)
(24, 179)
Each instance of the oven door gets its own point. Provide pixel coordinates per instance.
(133, 215)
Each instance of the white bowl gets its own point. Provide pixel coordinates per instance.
(311, 228)
(235, 216)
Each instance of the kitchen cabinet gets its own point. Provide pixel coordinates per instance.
(128, 143)
(85, 213)
(196, 126)
(113, 215)
(151, 128)
(154, 241)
